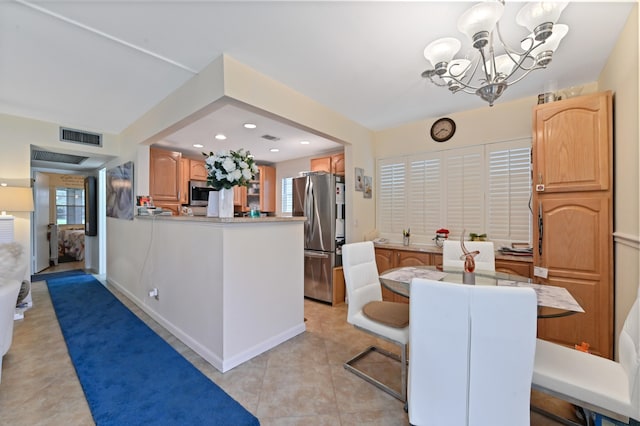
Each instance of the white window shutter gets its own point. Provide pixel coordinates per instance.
(391, 196)
(425, 195)
(464, 191)
(509, 191)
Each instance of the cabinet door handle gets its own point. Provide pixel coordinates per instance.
(540, 228)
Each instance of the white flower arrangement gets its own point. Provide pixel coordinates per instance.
(226, 169)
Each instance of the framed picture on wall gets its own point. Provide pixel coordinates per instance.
(359, 179)
(368, 188)
(120, 191)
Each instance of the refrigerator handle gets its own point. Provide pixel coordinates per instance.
(308, 210)
(316, 254)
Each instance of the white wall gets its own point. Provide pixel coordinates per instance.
(621, 76)
(17, 134)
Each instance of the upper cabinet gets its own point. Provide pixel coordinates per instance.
(330, 164)
(164, 175)
(197, 170)
(573, 152)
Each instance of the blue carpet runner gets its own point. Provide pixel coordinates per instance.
(61, 274)
(129, 374)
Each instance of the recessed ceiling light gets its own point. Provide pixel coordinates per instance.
(249, 126)
(220, 137)
(198, 145)
(3, 184)
(304, 142)
(274, 150)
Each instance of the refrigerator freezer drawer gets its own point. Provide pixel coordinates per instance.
(318, 275)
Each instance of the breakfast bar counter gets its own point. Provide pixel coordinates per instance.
(229, 288)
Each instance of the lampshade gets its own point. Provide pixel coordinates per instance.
(16, 199)
(533, 15)
(542, 54)
(441, 51)
(480, 19)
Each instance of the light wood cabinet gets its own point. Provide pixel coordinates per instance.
(164, 175)
(330, 164)
(197, 170)
(184, 180)
(321, 164)
(572, 151)
(337, 164)
(514, 267)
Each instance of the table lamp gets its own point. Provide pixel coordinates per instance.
(12, 199)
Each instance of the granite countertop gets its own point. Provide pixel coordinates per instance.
(224, 219)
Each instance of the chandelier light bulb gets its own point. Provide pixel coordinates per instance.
(543, 53)
(441, 52)
(539, 17)
(478, 22)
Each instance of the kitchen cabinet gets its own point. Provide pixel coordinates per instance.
(330, 164)
(197, 170)
(515, 267)
(184, 180)
(573, 215)
(260, 193)
(165, 183)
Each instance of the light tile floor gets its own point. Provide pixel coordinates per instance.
(301, 382)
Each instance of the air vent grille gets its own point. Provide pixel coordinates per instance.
(55, 157)
(270, 137)
(79, 136)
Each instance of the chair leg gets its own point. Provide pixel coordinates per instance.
(402, 395)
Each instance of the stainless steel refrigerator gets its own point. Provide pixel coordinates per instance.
(320, 197)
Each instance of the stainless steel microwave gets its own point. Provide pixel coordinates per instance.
(199, 193)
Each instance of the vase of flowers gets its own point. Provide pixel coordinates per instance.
(226, 169)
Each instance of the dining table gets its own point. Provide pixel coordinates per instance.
(553, 301)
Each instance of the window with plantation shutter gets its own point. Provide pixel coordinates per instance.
(464, 192)
(424, 194)
(391, 196)
(509, 191)
(484, 189)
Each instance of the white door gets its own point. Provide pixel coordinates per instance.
(41, 220)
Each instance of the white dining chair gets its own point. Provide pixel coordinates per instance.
(485, 260)
(367, 312)
(471, 352)
(594, 383)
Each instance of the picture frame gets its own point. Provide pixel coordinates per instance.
(359, 179)
(368, 187)
(120, 199)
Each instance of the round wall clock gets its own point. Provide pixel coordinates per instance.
(443, 129)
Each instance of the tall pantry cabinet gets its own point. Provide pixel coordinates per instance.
(573, 215)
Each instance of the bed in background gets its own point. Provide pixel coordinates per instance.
(71, 242)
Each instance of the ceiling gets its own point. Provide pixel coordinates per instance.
(99, 65)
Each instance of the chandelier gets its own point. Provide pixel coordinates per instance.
(493, 66)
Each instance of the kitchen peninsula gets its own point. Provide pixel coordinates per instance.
(229, 288)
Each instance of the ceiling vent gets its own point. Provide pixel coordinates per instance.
(79, 136)
(56, 157)
(270, 137)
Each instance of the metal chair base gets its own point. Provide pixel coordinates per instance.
(402, 395)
